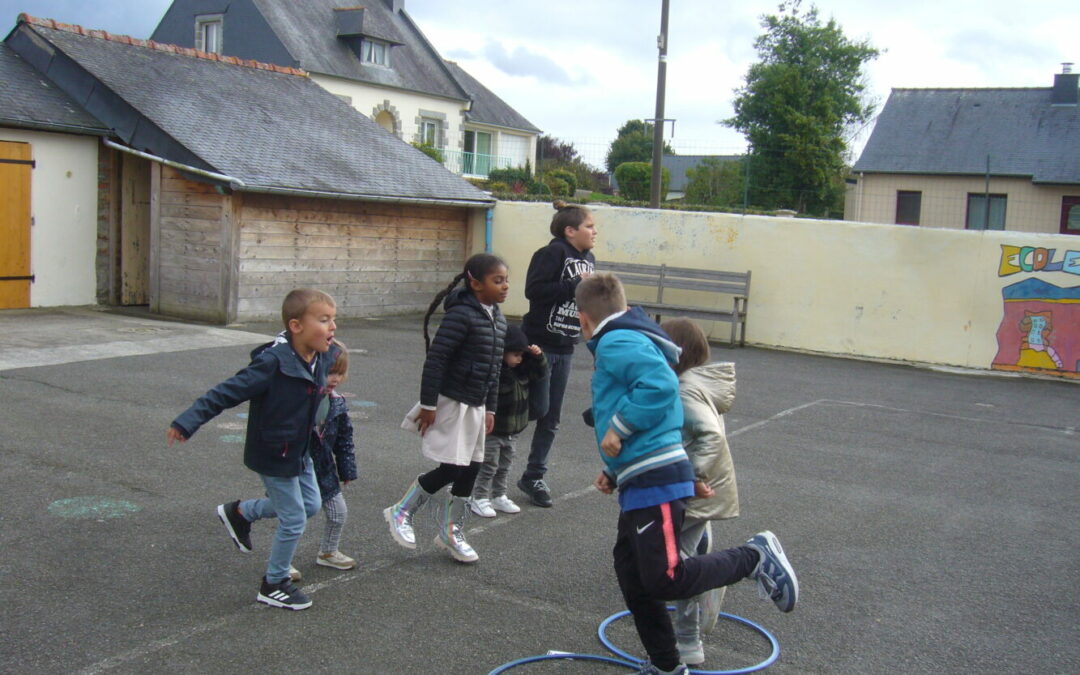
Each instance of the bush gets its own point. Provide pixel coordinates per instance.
(566, 176)
(497, 186)
(635, 180)
(430, 150)
(557, 186)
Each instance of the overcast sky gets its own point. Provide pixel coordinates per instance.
(578, 69)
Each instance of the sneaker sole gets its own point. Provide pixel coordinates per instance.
(482, 515)
(778, 551)
(506, 510)
(277, 603)
(389, 518)
(454, 553)
(337, 566)
(229, 528)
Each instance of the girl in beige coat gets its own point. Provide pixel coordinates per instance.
(707, 391)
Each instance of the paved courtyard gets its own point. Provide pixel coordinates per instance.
(931, 516)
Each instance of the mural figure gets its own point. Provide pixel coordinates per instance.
(1035, 348)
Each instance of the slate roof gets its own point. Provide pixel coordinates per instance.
(309, 32)
(487, 108)
(262, 124)
(951, 131)
(28, 100)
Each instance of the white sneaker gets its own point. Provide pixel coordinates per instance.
(337, 560)
(482, 508)
(691, 654)
(505, 504)
(294, 574)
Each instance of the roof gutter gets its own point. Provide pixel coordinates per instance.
(234, 183)
(418, 201)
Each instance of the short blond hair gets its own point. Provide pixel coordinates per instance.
(298, 300)
(600, 295)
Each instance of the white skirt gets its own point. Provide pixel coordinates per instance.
(457, 437)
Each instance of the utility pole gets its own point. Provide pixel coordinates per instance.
(658, 128)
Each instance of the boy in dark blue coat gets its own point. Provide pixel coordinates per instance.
(285, 383)
(637, 416)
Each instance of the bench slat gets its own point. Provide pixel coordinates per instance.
(686, 272)
(692, 312)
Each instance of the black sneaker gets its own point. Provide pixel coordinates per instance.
(239, 529)
(537, 491)
(285, 595)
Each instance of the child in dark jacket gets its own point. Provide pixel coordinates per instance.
(523, 364)
(335, 462)
(638, 418)
(285, 382)
(458, 395)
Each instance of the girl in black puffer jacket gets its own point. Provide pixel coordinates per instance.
(458, 394)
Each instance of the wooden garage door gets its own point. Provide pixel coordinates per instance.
(375, 259)
(15, 165)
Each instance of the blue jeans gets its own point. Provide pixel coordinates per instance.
(292, 501)
(546, 426)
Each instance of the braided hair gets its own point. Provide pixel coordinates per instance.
(477, 267)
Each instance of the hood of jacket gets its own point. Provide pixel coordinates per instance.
(461, 295)
(635, 318)
(714, 381)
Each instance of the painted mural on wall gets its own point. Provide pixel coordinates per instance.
(1040, 324)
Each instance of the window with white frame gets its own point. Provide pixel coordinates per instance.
(514, 149)
(209, 33)
(375, 52)
(429, 132)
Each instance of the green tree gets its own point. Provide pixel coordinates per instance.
(716, 182)
(633, 143)
(800, 106)
(635, 180)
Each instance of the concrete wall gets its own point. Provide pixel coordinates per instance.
(63, 202)
(885, 291)
(1029, 208)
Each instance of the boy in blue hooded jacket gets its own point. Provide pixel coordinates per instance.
(637, 416)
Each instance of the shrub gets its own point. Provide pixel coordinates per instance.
(430, 150)
(557, 186)
(566, 176)
(635, 180)
(497, 186)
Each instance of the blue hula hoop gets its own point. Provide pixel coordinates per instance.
(602, 634)
(626, 660)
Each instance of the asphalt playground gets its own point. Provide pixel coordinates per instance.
(931, 515)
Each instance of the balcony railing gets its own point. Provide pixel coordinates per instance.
(473, 163)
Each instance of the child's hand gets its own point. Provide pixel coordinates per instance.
(612, 444)
(534, 350)
(703, 489)
(173, 434)
(424, 420)
(603, 484)
(489, 422)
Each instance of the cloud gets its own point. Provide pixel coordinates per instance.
(525, 63)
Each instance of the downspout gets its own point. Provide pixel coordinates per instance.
(489, 215)
(234, 183)
(862, 186)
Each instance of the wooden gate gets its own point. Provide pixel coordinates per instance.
(15, 276)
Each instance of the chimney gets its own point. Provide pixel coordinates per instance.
(1066, 86)
(395, 5)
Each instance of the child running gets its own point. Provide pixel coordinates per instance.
(638, 420)
(523, 364)
(458, 396)
(335, 462)
(707, 391)
(285, 383)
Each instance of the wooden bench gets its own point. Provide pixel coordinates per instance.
(662, 277)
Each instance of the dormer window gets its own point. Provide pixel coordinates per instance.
(209, 33)
(375, 52)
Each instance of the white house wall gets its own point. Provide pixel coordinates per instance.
(63, 204)
(406, 106)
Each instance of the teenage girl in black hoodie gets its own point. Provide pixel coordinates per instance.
(552, 324)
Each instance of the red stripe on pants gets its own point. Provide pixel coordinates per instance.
(671, 539)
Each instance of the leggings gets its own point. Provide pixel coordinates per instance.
(462, 477)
